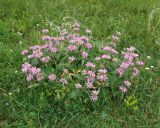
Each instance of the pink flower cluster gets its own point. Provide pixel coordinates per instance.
(94, 95)
(45, 59)
(72, 47)
(105, 56)
(45, 31)
(123, 67)
(52, 77)
(84, 54)
(24, 52)
(90, 65)
(88, 45)
(71, 58)
(109, 49)
(124, 88)
(129, 57)
(32, 73)
(90, 78)
(102, 75)
(72, 53)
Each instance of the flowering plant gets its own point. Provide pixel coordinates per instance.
(71, 64)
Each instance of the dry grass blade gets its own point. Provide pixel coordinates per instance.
(151, 16)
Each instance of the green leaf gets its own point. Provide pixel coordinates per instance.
(34, 61)
(48, 70)
(74, 94)
(79, 76)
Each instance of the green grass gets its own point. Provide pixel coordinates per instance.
(27, 108)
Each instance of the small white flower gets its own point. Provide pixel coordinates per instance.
(115, 59)
(147, 68)
(148, 57)
(7, 104)
(24, 59)
(19, 33)
(20, 42)
(78, 85)
(152, 66)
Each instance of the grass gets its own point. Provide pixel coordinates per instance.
(139, 25)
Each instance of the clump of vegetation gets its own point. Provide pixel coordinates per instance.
(72, 65)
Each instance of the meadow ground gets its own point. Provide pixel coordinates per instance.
(139, 23)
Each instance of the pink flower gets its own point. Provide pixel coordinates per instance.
(88, 45)
(89, 85)
(78, 85)
(135, 71)
(123, 89)
(135, 55)
(91, 73)
(35, 47)
(37, 53)
(121, 71)
(40, 77)
(26, 67)
(123, 67)
(52, 77)
(29, 77)
(131, 49)
(47, 45)
(90, 79)
(102, 71)
(35, 70)
(53, 49)
(140, 63)
(102, 77)
(84, 39)
(45, 31)
(72, 36)
(97, 58)
(30, 56)
(91, 65)
(72, 47)
(24, 52)
(127, 83)
(84, 54)
(46, 38)
(109, 49)
(46, 59)
(128, 56)
(105, 56)
(32, 72)
(63, 81)
(71, 59)
(94, 95)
